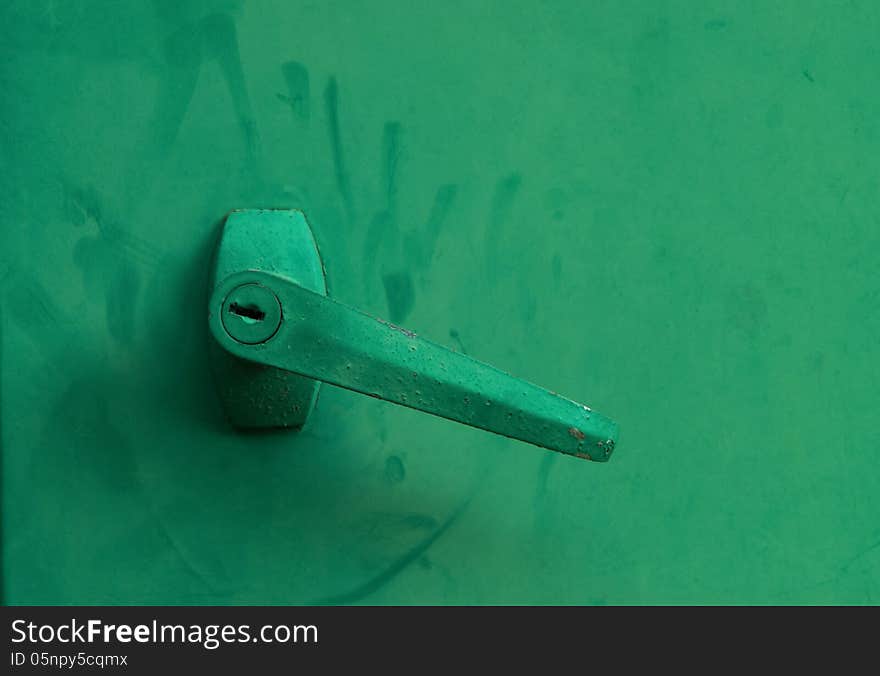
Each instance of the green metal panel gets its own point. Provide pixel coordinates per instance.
(666, 208)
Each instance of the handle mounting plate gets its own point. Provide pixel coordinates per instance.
(279, 241)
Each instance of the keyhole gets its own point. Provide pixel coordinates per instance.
(250, 314)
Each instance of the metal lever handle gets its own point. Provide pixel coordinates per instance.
(269, 319)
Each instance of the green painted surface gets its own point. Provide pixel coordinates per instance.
(666, 209)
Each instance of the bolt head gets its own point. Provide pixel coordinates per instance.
(251, 314)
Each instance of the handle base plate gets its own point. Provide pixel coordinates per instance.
(280, 241)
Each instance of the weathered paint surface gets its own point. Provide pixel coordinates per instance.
(666, 208)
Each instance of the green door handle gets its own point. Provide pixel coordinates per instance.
(279, 336)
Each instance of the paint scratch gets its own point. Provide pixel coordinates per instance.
(331, 103)
(391, 572)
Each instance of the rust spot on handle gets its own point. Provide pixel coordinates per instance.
(576, 433)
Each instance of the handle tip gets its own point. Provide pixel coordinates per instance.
(598, 444)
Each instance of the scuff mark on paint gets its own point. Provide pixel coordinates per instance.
(331, 103)
(391, 572)
(406, 332)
